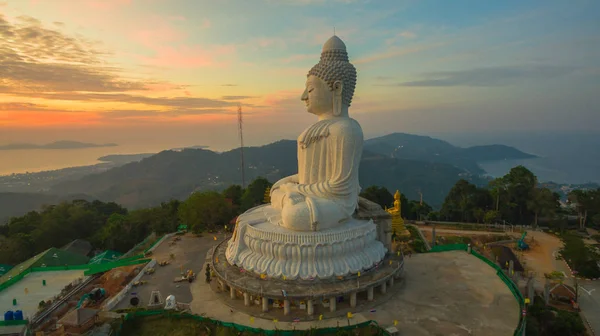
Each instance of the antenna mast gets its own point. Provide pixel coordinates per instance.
(241, 132)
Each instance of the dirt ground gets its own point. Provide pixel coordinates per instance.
(541, 256)
(450, 293)
(116, 279)
(477, 238)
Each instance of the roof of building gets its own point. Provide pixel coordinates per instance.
(106, 256)
(563, 290)
(48, 258)
(79, 246)
(78, 317)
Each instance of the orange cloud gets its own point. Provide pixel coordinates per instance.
(25, 119)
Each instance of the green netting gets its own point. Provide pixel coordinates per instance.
(153, 244)
(450, 247)
(13, 323)
(242, 328)
(94, 269)
(106, 256)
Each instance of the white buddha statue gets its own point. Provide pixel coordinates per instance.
(325, 191)
(308, 231)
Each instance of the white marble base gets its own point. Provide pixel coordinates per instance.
(261, 246)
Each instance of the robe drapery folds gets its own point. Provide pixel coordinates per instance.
(329, 154)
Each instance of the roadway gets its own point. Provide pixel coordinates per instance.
(589, 302)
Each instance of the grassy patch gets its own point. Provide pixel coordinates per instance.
(417, 244)
(580, 257)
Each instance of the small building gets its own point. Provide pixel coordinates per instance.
(79, 321)
(13, 329)
(562, 292)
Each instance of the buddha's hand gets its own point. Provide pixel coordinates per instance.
(293, 195)
(285, 180)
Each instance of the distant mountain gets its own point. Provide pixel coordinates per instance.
(171, 174)
(124, 158)
(427, 149)
(411, 163)
(65, 144)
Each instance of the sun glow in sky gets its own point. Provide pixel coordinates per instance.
(173, 71)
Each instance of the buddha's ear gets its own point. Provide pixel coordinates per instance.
(337, 97)
(338, 86)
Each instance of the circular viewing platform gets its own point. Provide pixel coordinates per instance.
(257, 289)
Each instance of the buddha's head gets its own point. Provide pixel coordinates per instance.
(330, 83)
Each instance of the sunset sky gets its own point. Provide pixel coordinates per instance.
(171, 72)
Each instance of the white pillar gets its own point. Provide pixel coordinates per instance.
(383, 287)
(265, 304)
(332, 303)
(370, 294)
(310, 308)
(232, 293)
(286, 307)
(353, 300)
(246, 299)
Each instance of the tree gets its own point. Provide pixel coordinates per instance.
(234, 192)
(205, 211)
(491, 217)
(463, 200)
(254, 193)
(379, 195)
(543, 202)
(417, 210)
(520, 183)
(586, 202)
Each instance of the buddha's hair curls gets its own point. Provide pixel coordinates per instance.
(334, 66)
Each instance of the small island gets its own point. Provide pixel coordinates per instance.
(63, 144)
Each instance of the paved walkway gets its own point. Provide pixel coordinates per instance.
(450, 293)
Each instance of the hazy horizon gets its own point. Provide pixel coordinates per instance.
(560, 159)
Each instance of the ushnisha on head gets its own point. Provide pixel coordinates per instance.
(331, 82)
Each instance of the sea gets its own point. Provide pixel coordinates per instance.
(36, 160)
(563, 157)
(570, 158)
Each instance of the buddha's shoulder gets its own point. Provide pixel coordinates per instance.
(345, 126)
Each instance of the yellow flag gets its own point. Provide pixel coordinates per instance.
(398, 253)
(527, 301)
(217, 260)
(263, 276)
(395, 322)
(215, 237)
(284, 278)
(321, 317)
(349, 315)
(390, 262)
(275, 320)
(251, 319)
(359, 274)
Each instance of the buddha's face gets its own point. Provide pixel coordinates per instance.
(317, 96)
